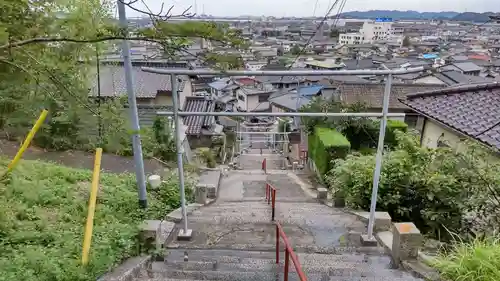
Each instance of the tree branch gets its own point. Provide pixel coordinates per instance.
(93, 40)
(159, 15)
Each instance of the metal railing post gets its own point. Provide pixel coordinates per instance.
(185, 232)
(287, 260)
(277, 244)
(133, 111)
(273, 204)
(380, 154)
(267, 191)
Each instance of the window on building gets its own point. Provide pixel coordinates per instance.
(241, 97)
(264, 98)
(411, 120)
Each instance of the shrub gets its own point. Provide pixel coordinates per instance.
(365, 133)
(208, 156)
(43, 209)
(475, 261)
(328, 145)
(390, 133)
(437, 189)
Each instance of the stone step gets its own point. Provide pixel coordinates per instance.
(234, 275)
(239, 256)
(337, 268)
(277, 274)
(336, 278)
(279, 198)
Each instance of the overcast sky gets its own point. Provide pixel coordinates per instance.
(281, 8)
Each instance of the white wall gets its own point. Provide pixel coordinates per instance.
(351, 38)
(434, 132)
(373, 31)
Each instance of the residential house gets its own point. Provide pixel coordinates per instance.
(199, 130)
(466, 67)
(325, 65)
(291, 100)
(372, 95)
(254, 98)
(255, 65)
(452, 114)
(153, 91)
(450, 78)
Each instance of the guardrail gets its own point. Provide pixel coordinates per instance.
(289, 254)
(271, 198)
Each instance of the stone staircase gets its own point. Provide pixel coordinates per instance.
(234, 239)
(252, 160)
(237, 265)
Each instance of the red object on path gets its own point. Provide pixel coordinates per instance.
(264, 162)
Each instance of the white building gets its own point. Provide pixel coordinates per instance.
(377, 30)
(351, 38)
(255, 65)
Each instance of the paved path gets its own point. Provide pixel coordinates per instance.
(79, 159)
(234, 238)
(240, 219)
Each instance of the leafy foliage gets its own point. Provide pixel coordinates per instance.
(41, 229)
(223, 61)
(475, 261)
(438, 189)
(295, 50)
(45, 62)
(406, 41)
(326, 145)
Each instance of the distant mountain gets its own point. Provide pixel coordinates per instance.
(475, 17)
(398, 15)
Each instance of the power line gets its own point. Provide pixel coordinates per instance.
(320, 25)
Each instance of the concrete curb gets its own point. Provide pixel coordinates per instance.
(128, 270)
(383, 220)
(176, 215)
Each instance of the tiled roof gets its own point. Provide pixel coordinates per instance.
(146, 85)
(473, 110)
(196, 123)
(373, 93)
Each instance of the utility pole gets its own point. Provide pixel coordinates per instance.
(132, 103)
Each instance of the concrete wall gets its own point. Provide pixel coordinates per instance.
(433, 133)
(249, 103)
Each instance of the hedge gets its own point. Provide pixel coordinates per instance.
(326, 145)
(367, 136)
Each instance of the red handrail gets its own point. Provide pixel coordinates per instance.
(289, 254)
(271, 198)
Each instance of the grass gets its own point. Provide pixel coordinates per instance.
(475, 261)
(43, 209)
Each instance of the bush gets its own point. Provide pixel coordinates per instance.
(437, 189)
(207, 156)
(43, 209)
(328, 145)
(475, 261)
(365, 133)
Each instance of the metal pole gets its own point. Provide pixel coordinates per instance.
(281, 72)
(380, 154)
(282, 114)
(134, 117)
(178, 146)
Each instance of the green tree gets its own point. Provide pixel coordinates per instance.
(334, 33)
(48, 56)
(295, 50)
(406, 41)
(223, 61)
